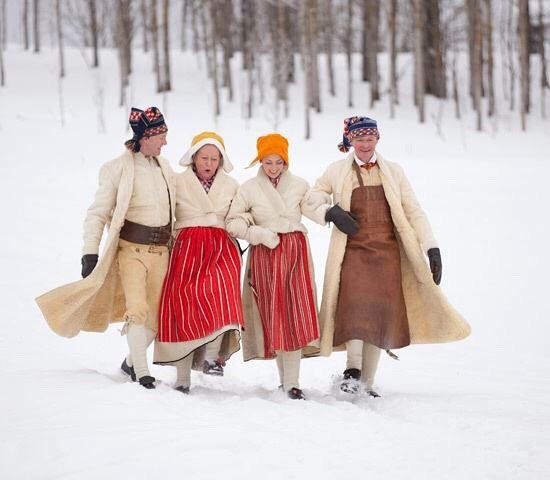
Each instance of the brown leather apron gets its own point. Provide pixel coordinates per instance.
(371, 306)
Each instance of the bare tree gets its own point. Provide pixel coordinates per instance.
(94, 31)
(348, 45)
(124, 45)
(144, 26)
(248, 12)
(329, 47)
(25, 22)
(306, 41)
(434, 67)
(2, 26)
(167, 84)
(488, 30)
(210, 48)
(155, 40)
(392, 14)
(183, 35)
(419, 83)
(523, 24)
(543, 76)
(36, 25)
(371, 26)
(510, 50)
(59, 24)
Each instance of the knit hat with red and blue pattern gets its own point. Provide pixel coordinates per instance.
(147, 123)
(355, 127)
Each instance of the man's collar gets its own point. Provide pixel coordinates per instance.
(360, 162)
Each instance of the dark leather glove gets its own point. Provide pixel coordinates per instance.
(435, 264)
(342, 219)
(88, 264)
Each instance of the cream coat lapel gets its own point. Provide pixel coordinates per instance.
(272, 194)
(197, 190)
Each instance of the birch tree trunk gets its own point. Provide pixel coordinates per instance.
(144, 26)
(210, 46)
(348, 43)
(543, 76)
(373, 21)
(490, 60)
(36, 25)
(434, 67)
(329, 48)
(155, 46)
(167, 84)
(3, 24)
(59, 25)
(92, 5)
(183, 34)
(478, 69)
(523, 21)
(306, 56)
(419, 83)
(2, 72)
(25, 21)
(510, 48)
(392, 14)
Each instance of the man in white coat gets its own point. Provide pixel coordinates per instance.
(379, 292)
(136, 201)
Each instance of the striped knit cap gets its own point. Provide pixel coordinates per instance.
(355, 127)
(147, 123)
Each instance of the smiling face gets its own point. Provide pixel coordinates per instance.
(151, 146)
(207, 161)
(273, 165)
(364, 147)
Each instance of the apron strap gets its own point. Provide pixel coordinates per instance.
(358, 172)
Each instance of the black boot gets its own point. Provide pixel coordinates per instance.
(296, 394)
(147, 382)
(351, 383)
(373, 394)
(128, 370)
(182, 389)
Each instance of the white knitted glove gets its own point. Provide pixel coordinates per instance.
(260, 235)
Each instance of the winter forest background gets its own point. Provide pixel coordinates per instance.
(460, 91)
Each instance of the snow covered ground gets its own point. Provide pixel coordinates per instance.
(475, 409)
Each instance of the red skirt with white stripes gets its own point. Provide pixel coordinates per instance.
(201, 292)
(281, 282)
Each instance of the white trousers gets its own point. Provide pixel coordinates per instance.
(139, 338)
(288, 364)
(363, 356)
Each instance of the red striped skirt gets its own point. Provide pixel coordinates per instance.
(201, 291)
(281, 282)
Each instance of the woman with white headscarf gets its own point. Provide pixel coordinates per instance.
(201, 309)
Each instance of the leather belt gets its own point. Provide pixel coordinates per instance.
(144, 235)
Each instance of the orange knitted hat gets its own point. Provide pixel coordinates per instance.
(270, 144)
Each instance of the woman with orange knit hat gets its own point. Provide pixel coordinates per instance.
(279, 297)
(201, 310)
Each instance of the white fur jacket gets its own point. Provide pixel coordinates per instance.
(195, 207)
(260, 211)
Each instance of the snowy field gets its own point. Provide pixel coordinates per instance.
(476, 409)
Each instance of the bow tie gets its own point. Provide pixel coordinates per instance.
(368, 165)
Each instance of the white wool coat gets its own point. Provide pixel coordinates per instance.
(92, 303)
(258, 213)
(196, 208)
(431, 318)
